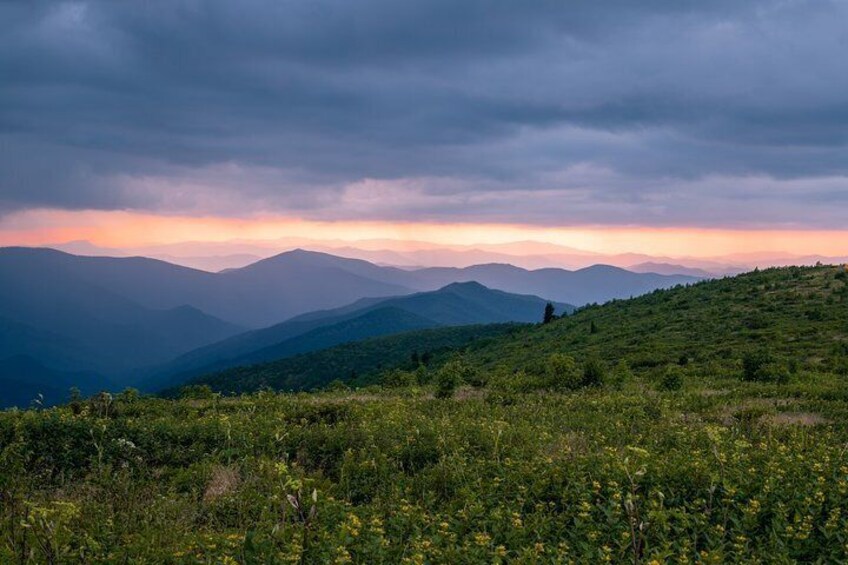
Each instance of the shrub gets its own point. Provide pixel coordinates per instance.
(672, 378)
(562, 373)
(196, 392)
(620, 376)
(752, 362)
(422, 375)
(337, 385)
(594, 372)
(397, 379)
(506, 386)
(451, 375)
(774, 372)
(447, 381)
(762, 367)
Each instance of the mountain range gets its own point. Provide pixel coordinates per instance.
(123, 319)
(408, 254)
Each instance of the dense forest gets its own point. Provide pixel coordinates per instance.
(700, 424)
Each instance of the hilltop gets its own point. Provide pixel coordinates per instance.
(797, 314)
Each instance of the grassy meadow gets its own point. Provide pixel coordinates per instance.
(718, 436)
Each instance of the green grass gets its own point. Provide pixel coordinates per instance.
(721, 471)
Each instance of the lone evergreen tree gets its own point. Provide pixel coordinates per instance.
(549, 313)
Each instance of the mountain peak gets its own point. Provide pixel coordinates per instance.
(464, 286)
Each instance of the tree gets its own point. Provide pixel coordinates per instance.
(549, 314)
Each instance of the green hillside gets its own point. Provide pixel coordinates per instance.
(799, 316)
(359, 362)
(792, 319)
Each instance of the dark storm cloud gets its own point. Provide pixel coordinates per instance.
(661, 112)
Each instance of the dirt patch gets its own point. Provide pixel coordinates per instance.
(713, 392)
(796, 419)
(353, 397)
(751, 409)
(466, 393)
(765, 403)
(224, 480)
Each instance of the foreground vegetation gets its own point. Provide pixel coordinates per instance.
(717, 472)
(717, 436)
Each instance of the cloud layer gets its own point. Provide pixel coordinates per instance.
(663, 112)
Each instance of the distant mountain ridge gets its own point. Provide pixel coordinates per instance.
(457, 304)
(595, 284)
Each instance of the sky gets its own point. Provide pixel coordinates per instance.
(662, 126)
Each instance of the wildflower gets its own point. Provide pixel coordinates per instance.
(482, 538)
(342, 555)
(353, 525)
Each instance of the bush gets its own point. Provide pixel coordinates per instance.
(760, 366)
(620, 376)
(451, 375)
(422, 375)
(197, 392)
(774, 372)
(398, 379)
(447, 381)
(752, 363)
(594, 372)
(672, 378)
(562, 373)
(337, 385)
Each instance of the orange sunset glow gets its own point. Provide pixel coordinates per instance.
(130, 229)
